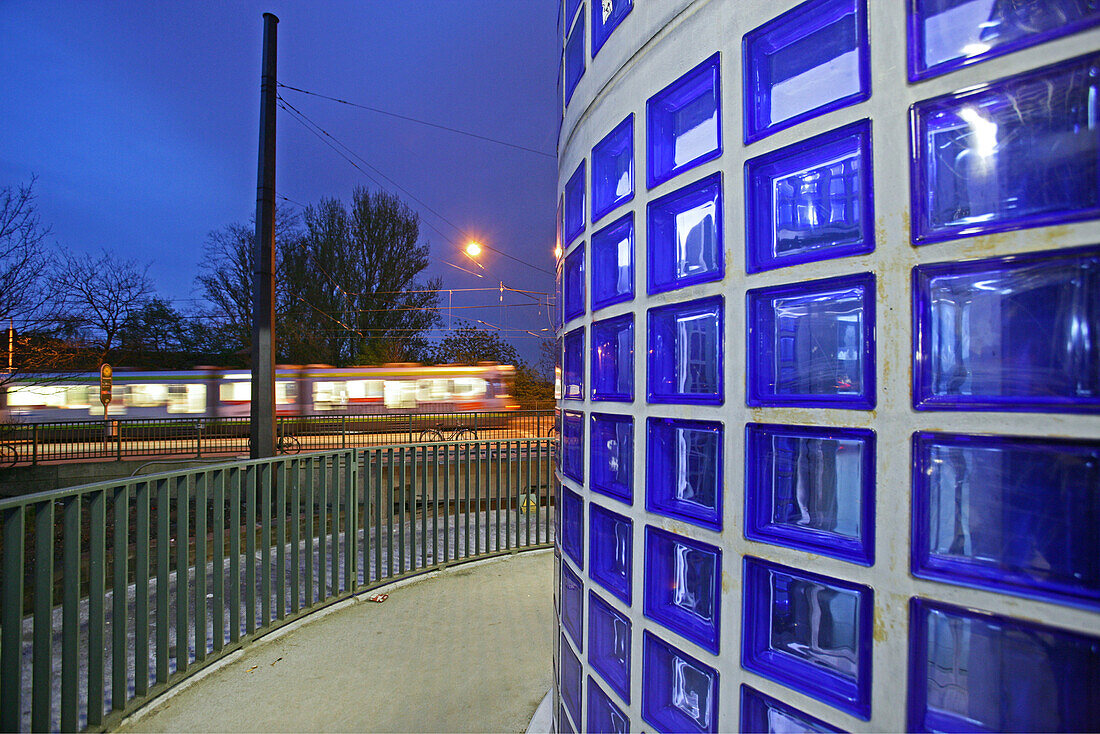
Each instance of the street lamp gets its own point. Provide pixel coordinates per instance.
(473, 249)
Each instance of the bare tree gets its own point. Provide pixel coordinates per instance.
(22, 255)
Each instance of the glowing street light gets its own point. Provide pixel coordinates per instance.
(473, 249)
(557, 252)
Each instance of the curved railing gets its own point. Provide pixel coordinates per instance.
(176, 570)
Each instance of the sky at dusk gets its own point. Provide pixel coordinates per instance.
(141, 122)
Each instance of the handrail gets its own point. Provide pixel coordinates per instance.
(224, 554)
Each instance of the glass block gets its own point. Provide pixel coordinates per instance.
(571, 10)
(604, 717)
(573, 212)
(609, 645)
(683, 123)
(563, 722)
(611, 552)
(574, 58)
(572, 445)
(558, 387)
(557, 515)
(613, 263)
(679, 693)
(570, 688)
(812, 344)
(613, 167)
(812, 489)
(683, 586)
(811, 60)
(762, 713)
(809, 632)
(573, 283)
(1015, 153)
(685, 352)
(572, 526)
(974, 671)
(572, 605)
(1016, 515)
(810, 201)
(684, 470)
(612, 456)
(613, 359)
(946, 35)
(685, 236)
(1009, 333)
(606, 16)
(573, 365)
(559, 300)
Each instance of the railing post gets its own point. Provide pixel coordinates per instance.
(343, 431)
(118, 440)
(34, 445)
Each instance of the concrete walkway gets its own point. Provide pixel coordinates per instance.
(467, 649)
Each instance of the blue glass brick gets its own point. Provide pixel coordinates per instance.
(1015, 153)
(679, 693)
(572, 605)
(573, 213)
(572, 445)
(1010, 333)
(974, 671)
(604, 717)
(573, 365)
(559, 300)
(683, 586)
(573, 283)
(685, 352)
(684, 123)
(812, 489)
(611, 456)
(809, 632)
(557, 516)
(762, 713)
(574, 58)
(613, 359)
(812, 344)
(810, 201)
(611, 552)
(613, 168)
(606, 16)
(613, 263)
(564, 727)
(684, 470)
(571, 11)
(948, 35)
(1015, 515)
(811, 60)
(609, 645)
(685, 236)
(571, 676)
(572, 526)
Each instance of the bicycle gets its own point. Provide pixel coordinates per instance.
(287, 444)
(8, 455)
(439, 433)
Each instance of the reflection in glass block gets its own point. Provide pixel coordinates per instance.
(559, 301)
(1016, 515)
(812, 489)
(947, 35)
(684, 470)
(613, 359)
(973, 671)
(572, 605)
(613, 263)
(574, 58)
(609, 645)
(573, 365)
(811, 344)
(679, 693)
(563, 722)
(809, 632)
(612, 456)
(613, 168)
(572, 526)
(683, 579)
(572, 445)
(685, 352)
(573, 283)
(573, 221)
(606, 16)
(683, 124)
(762, 713)
(809, 61)
(811, 200)
(604, 716)
(611, 552)
(1013, 333)
(685, 236)
(570, 687)
(1019, 152)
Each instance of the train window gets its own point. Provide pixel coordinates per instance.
(147, 396)
(186, 398)
(235, 392)
(469, 387)
(399, 394)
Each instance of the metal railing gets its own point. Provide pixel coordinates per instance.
(113, 592)
(117, 439)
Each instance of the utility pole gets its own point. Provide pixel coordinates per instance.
(262, 421)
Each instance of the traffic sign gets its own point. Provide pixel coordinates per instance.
(105, 380)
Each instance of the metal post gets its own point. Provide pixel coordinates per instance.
(262, 423)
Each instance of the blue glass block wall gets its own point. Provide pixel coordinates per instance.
(832, 366)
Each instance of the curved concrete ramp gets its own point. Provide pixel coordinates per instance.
(467, 649)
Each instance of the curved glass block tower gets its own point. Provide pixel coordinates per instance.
(830, 378)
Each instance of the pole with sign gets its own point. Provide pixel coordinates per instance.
(105, 382)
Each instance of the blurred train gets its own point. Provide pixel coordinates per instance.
(299, 391)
